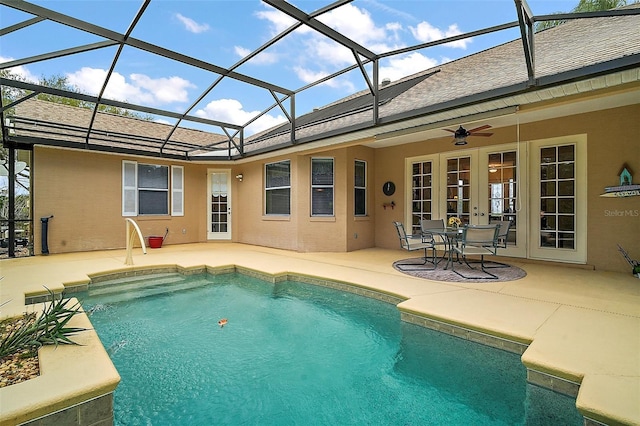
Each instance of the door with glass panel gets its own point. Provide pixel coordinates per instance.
(460, 185)
(476, 186)
(219, 204)
(558, 193)
(500, 192)
(423, 181)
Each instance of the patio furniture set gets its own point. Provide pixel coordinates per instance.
(456, 244)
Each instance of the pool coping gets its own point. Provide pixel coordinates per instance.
(541, 375)
(76, 382)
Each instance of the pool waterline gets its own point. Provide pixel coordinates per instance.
(405, 326)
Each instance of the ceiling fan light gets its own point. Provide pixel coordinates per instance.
(492, 169)
(460, 136)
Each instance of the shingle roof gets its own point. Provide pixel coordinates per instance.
(572, 46)
(110, 132)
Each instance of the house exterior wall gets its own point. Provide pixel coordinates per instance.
(300, 231)
(250, 224)
(611, 142)
(361, 229)
(83, 192)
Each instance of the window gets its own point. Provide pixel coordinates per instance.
(422, 192)
(360, 188)
(322, 187)
(145, 189)
(278, 188)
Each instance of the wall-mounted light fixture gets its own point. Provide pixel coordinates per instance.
(239, 177)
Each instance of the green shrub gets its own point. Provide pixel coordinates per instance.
(50, 328)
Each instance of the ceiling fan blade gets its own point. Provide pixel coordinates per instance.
(480, 134)
(486, 126)
(449, 130)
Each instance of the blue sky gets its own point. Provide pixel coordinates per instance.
(224, 31)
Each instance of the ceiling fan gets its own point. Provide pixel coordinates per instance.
(460, 135)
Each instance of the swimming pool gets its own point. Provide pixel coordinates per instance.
(294, 353)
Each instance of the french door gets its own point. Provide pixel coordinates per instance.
(546, 201)
(478, 186)
(219, 205)
(558, 199)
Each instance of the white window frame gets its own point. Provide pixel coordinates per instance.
(323, 186)
(579, 253)
(130, 189)
(274, 188)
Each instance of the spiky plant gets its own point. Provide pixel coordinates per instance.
(50, 328)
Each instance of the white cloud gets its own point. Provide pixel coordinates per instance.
(231, 111)
(261, 58)
(328, 52)
(406, 65)
(141, 89)
(21, 71)
(279, 21)
(165, 90)
(394, 28)
(191, 25)
(90, 80)
(322, 56)
(390, 11)
(424, 32)
(354, 23)
(309, 76)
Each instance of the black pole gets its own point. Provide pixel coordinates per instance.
(45, 231)
(12, 202)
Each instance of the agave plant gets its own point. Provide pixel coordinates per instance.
(50, 328)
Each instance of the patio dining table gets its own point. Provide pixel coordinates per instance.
(449, 236)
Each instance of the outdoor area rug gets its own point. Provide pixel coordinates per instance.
(440, 274)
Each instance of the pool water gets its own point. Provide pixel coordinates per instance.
(298, 354)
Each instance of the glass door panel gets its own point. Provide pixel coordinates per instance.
(502, 190)
(479, 186)
(422, 193)
(558, 199)
(460, 190)
(219, 218)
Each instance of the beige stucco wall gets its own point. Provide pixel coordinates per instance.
(300, 231)
(611, 142)
(83, 192)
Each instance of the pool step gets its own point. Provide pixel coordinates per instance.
(129, 288)
(123, 284)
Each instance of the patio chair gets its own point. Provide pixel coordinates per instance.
(411, 243)
(426, 225)
(503, 233)
(478, 240)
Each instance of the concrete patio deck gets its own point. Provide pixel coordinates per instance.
(581, 326)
